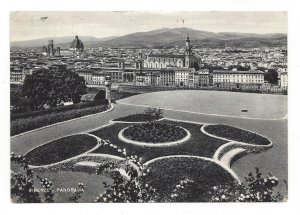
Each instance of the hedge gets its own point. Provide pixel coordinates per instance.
(16, 116)
(30, 123)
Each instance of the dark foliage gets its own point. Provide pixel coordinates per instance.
(61, 149)
(19, 115)
(155, 133)
(271, 76)
(22, 183)
(77, 193)
(157, 113)
(139, 117)
(30, 123)
(166, 173)
(257, 188)
(239, 68)
(236, 134)
(50, 87)
(100, 97)
(130, 188)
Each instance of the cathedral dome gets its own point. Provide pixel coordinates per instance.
(77, 44)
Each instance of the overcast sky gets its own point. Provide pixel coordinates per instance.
(28, 25)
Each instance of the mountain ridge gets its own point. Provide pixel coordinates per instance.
(161, 37)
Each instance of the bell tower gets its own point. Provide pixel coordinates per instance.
(187, 52)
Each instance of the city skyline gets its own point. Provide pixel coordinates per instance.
(30, 25)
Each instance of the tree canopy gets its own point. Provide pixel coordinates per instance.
(50, 87)
(271, 76)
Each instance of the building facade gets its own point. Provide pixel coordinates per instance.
(238, 79)
(165, 61)
(283, 80)
(203, 78)
(183, 77)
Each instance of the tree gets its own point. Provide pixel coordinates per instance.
(154, 113)
(196, 66)
(100, 97)
(239, 68)
(19, 103)
(271, 76)
(51, 87)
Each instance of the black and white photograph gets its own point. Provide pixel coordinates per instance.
(147, 106)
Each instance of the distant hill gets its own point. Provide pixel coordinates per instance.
(63, 42)
(177, 36)
(166, 37)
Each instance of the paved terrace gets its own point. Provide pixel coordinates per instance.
(194, 106)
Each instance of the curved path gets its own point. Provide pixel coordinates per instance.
(272, 161)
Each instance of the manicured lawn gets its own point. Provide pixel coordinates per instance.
(236, 134)
(199, 144)
(61, 149)
(155, 133)
(139, 117)
(166, 174)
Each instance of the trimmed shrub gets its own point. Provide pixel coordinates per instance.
(59, 109)
(30, 123)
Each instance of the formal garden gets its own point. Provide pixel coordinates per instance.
(144, 167)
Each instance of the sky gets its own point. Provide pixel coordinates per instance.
(28, 25)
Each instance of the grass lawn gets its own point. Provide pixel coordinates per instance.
(139, 117)
(61, 149)
(165, 174)
(62, 180)
(199, 144)
(236, 134)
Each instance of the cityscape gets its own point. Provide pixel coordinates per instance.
(229, 68)
(168, 114)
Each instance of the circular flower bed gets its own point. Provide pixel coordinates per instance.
(155, 133)
(61, 149)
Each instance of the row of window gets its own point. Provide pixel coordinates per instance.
(238, 81)
(164, 60)
(233, 76)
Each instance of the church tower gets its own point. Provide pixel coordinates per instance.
(188, 53)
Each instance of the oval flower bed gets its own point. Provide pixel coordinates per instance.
(236, 134)
(155, 133)
(61, 149)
